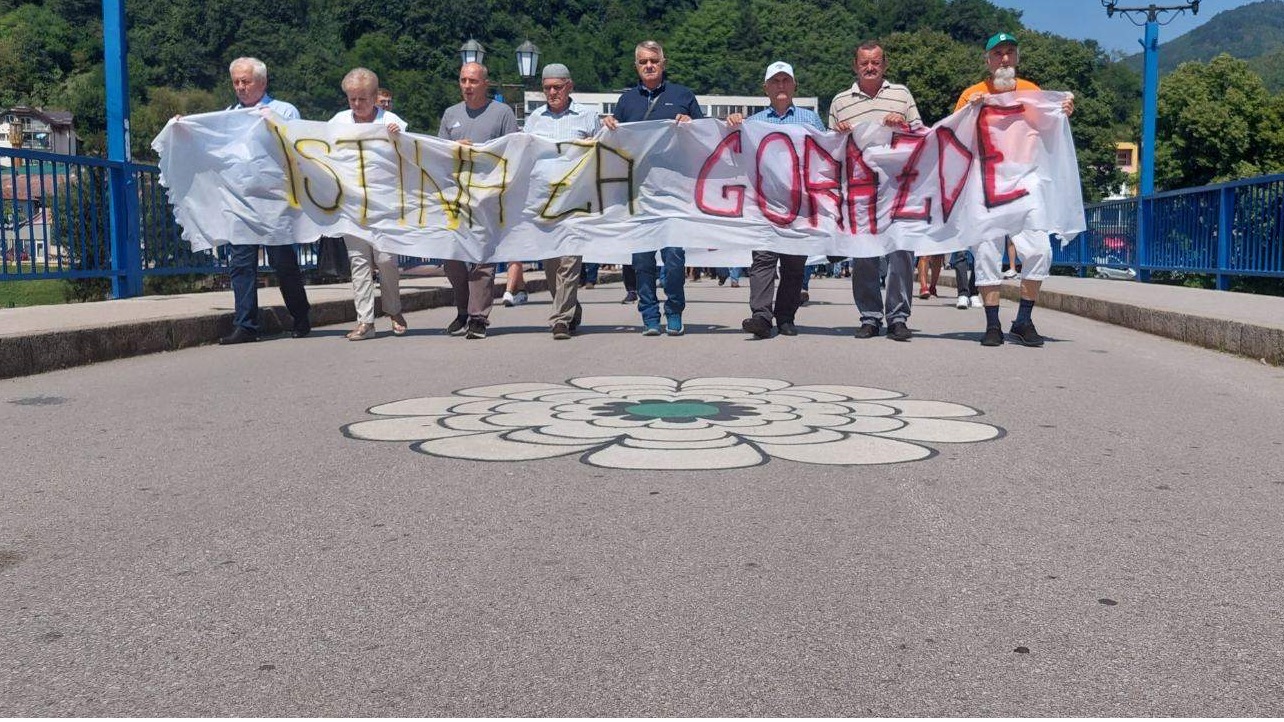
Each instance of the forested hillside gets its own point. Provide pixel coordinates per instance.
(1252, 32)
(51, 53)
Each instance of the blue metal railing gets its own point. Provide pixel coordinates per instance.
(1223, 230)
(56, 222)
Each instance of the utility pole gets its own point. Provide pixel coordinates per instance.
(1149, 16)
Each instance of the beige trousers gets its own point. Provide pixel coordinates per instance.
(563, 274)
(363, 257)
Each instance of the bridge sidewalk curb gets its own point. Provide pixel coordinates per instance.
(33, 353)
(1220, 332)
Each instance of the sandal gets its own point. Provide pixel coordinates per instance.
(362, 332)
(398, 324)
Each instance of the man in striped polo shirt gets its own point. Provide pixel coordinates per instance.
(872, 99)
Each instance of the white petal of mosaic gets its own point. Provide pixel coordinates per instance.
(658, 423)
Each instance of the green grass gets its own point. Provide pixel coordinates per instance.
(31, 293)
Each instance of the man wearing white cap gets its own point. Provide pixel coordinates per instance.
(1035, 249)
(765, 302)
(872, 99)
(562, 119)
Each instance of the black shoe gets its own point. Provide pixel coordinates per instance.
(476, 328)
(867, 330)
(787, 328)
(238, 335)
(993, 336)
(630, 297)
(757, 325)
(458, 326)
(1024, 334)
(301, 329)
(561, 331)
(898, 331)
(804, 297)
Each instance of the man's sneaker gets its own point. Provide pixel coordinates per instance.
(630, 297)
(673, 325)
(961, 303)
(1010, 273)
(476, 328)
(458, 326)
(898, 331)
(652, 329)
(757, 325)
(561, 331)
(976, 302)
(787, 328)
(1024, 334)
(508, 298)
(993, 336)
(519, 297)
(867, 330)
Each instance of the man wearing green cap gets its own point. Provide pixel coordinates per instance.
(1035, 249)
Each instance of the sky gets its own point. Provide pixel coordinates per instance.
(1084, 19)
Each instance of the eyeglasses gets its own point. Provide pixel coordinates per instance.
(555, 88)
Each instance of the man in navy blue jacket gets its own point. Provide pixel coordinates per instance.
(655, 98)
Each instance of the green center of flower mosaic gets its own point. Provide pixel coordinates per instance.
(673, 410)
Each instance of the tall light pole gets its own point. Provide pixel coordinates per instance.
(1149, 15)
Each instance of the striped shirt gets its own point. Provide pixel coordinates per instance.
(793, 116)
(574, 123)
(854, 106)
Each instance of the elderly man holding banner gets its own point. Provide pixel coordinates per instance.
(1035, 248)
(361, 86)
(249, 82)
(562, 119)
(655, 98)
(765, 302)
(475, 120)
(872, 99)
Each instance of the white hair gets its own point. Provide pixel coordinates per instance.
(257, 67)
(360, 77)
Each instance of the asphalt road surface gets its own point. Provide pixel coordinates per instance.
(206, 532)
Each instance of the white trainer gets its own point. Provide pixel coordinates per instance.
(961, 303)
(976, 302)
(508, 298)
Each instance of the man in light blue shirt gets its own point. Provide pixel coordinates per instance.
(765, 302)
(562, 119)
(249, 82)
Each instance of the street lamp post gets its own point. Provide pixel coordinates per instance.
(471, 52)
(527, 65)
(1149, 16)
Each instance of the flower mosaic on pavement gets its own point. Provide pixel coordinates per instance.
(657, 423)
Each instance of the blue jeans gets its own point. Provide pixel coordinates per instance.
(675, 300)
(588, 273)
(243, 267)
(732, 272)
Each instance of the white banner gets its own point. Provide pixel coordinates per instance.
(246, 176)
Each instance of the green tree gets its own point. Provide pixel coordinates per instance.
(1216, 122)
